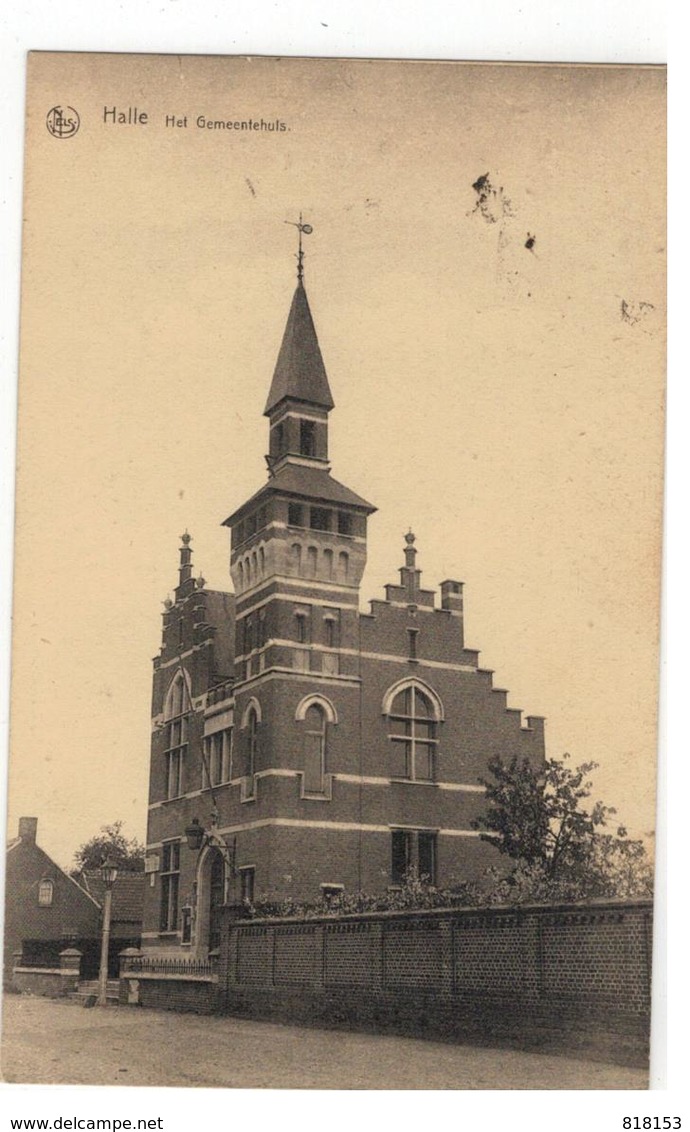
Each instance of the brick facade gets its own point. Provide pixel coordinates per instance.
(343, 747)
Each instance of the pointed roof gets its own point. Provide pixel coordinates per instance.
(309, 483)
(300, 373)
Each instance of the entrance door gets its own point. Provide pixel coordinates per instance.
(217, 899)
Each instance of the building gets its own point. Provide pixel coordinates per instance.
(46, 910)
(320, 747)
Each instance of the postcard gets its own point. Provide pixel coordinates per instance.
(338, 546)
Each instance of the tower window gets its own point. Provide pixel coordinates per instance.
(302, 626)
(320, 519)
(331, 629)
(344, 523)
(314, 749)
(307, 438)
(295, 515)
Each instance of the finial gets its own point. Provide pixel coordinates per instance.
(307, 230)
(200, 582)
(409, 537)
(168, 603)
(186, 538)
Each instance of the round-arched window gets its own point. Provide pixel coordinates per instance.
(413, 726)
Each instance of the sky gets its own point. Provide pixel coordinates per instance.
(503, 400)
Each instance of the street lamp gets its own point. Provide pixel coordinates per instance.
(108, 874)
(198, 837)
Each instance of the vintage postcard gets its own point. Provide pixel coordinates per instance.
(338, 544)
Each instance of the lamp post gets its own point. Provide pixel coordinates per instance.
(198, 837)
(108, 874)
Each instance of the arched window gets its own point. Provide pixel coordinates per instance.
(295, 558)
(176, 715)
(247, 746)
(315, 713)
(45, 893)
(252, 741)
(314, 749)
(343, 565)
(312, 558)
(413, 719)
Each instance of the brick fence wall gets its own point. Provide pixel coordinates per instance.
(572, 975)
(595, 956)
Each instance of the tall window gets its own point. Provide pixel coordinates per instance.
(307, 438)
(413, 726)
(331, 629)
(413, 851)
(177, 708)
(170, 885)
(252, 741)
(217, 766)
(314, 749)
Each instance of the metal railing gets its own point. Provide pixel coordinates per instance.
(155, 965)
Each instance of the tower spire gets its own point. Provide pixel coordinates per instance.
(300, 374)
(307, 230)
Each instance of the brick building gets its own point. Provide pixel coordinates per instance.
(323, 747)
(45, 909)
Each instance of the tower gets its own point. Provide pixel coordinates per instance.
(298, 551)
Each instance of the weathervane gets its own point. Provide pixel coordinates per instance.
(307, 230)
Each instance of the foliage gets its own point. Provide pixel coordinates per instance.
(543, 820)
(126, 853)
(413, 893)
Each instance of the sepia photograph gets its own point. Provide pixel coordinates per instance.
(336, 615)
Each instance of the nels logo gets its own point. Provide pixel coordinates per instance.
(62, 121)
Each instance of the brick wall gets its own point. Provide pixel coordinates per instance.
(577, 976)
(170, 992)
(594, 956)
(571, 977)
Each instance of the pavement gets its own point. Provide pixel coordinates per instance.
(47, 1041)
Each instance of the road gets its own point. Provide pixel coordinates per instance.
(51, 1042)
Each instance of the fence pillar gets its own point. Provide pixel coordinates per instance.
(70, 966)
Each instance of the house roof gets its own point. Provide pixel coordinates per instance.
(128, 894)
(309, 483)
(300, 373)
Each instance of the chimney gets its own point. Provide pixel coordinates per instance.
(27, 830)
(451, 595)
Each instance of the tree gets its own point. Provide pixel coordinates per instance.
(126, 854)
(543, 820)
